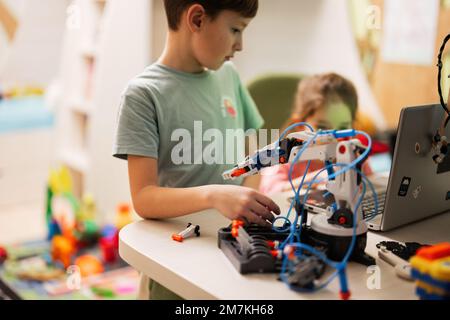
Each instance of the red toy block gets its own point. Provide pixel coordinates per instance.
(438, 251)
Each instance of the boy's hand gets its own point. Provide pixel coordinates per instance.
(236, 202)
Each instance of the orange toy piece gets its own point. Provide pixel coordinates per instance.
(89, 265)
(437, 251)
(177, 237)
(190, 231)
(236, 224)
(62, 250)
(123, 215)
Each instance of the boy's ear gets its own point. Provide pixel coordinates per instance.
(195, 17)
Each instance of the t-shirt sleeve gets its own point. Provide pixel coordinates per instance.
(137, 126)
(252, 117)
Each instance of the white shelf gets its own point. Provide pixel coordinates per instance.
(75, 158)
(89, 52)
(83, 107)
(92, 82)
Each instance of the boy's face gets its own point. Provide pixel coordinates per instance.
(336, 115)
(216, 41)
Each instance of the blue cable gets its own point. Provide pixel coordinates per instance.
(296, 198)
(292, 126)
(286, 218)
(296, 192)
(296, 158)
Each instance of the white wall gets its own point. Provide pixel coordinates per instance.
(159, 28)
(33, 56)
(25, 160)
(306, 36)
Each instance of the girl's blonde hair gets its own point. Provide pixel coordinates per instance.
(316, 92)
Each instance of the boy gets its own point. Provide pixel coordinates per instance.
(190, 84)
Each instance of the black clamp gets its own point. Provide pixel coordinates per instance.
(404, 251)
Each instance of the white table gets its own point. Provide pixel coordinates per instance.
(197, 268)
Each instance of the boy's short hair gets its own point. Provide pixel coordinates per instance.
(175, 8)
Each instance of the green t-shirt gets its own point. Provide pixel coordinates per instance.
(188, 122)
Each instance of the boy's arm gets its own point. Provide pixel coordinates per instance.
(154, 202)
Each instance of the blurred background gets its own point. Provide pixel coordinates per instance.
(64, 64)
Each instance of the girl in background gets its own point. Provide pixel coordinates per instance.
(325, 101)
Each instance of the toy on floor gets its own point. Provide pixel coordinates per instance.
(88, 208)
(72, 228)
(122, 282)
(103, 292)
(109, 245)
(86, 230)
(34, 269)
(72, 222)
(89, 265)
(62, 250)
(87, 233)
(61, 206)
(21, 92)
(123, 216)
(431, 270)
(3, 255)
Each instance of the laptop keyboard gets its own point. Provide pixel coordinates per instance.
(368, 205)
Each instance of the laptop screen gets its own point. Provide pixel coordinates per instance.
(380, 162)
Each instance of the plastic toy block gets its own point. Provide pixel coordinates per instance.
(437, 251)
(432, 289)
(430, 267)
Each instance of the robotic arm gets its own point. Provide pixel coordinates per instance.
(280, 152)
(329, 147)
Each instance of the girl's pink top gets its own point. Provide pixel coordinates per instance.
(274, 179)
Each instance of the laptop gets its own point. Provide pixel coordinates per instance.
(414, 187)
